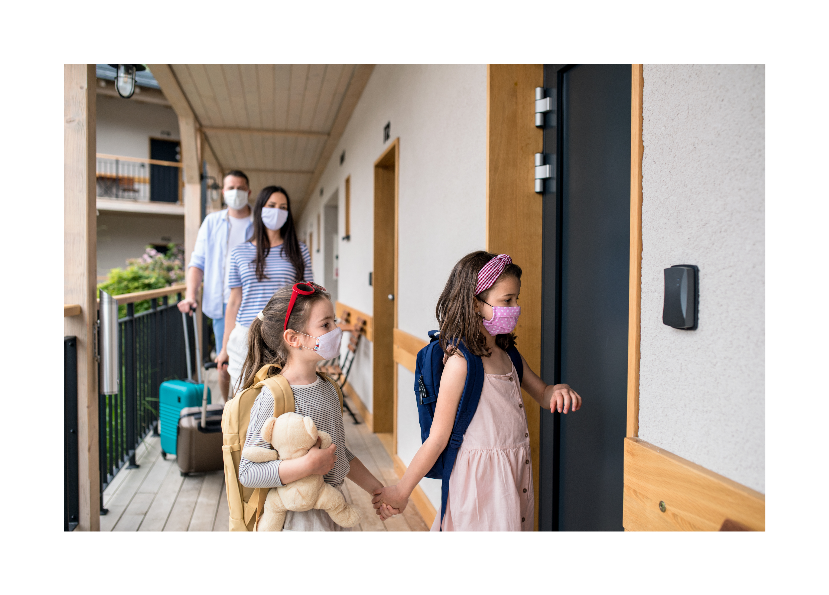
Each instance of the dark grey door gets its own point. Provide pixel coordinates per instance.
(164, 179)
(585, 295)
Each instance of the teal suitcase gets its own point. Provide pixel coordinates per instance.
(175, 395)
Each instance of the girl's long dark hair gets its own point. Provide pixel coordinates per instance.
(290, 243)
(456, 306)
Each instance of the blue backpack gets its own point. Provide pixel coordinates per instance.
(428, 371)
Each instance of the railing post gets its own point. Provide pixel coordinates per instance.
(131, 386)
(71, 503)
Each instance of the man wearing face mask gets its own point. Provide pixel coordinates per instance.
(219, 233)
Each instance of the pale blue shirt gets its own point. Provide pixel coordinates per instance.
(210, 255)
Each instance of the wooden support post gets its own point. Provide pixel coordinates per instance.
(513, 209)
(79, 272)
(192, 188)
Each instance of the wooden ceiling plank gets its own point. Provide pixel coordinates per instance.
(189, 89)
(342, 87)
(172, 91)
(250, 87)
(216, 78)
(263, 132)
(265, 75)
(236, 90)
(329, 87)
(267, 143)
(316, 76)
(281, 95)
(299, 80)
(201, 78)
(352, 95)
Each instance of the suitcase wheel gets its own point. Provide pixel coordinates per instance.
(163, 455)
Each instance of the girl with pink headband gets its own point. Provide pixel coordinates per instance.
(490, 486)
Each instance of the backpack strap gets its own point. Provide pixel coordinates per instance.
(470, 397)
(513, 354)
(283, 402)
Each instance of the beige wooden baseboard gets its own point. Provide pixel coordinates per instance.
(694, 498)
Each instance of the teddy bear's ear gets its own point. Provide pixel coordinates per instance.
(267, 429)
(310, 427)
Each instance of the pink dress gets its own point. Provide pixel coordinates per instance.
(491, 486)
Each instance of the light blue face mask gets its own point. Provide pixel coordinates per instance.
(273, 218)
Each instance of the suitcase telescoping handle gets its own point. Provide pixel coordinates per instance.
(207, 366)
(184, 317)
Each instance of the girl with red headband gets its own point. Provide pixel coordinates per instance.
(295, 331)
(490, 487)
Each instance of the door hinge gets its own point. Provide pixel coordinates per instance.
(543, 105)
(543, 172)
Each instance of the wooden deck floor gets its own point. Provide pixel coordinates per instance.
(155, 497)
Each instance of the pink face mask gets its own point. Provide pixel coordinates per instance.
(503, 319)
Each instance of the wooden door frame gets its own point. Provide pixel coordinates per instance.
(513, 210)
(384, 417)
(637, 150)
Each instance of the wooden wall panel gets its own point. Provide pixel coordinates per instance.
(695, 499)
(79, 272)
(513, 212)
(348, 315)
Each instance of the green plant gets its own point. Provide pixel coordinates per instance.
(152, 270)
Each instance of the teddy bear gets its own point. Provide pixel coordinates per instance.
(292, 436)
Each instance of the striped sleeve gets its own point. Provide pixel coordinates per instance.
(259, 475)
(234, 279)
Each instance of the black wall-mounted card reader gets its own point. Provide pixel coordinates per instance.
(680, 306)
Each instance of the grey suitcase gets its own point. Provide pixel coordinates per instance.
(199, 430)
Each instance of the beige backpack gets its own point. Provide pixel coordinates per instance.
(245, 503)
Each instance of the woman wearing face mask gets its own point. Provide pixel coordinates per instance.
(490, 486)
(272, 259)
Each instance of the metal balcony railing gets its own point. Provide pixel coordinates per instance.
(137, 179)
(151, 351)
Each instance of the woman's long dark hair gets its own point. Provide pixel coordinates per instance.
(455, 310)
(290, 243)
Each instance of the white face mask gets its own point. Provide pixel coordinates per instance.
(328, 345)
(274, 218)
(236, 198)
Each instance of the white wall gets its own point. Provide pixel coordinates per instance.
(124, 127)
(126, 235)
(702, 392)
(439, 114)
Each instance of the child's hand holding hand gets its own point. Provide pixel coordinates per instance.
(563, 398)
(391, 496)
(385, 512)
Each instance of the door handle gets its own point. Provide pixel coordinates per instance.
(391, 297)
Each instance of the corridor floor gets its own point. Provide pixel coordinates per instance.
(155, 497)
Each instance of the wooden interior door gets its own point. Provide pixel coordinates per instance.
(384, 282)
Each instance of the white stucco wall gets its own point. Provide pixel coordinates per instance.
(124, 127)
(702, 392)
(439, 114)
(125, 235)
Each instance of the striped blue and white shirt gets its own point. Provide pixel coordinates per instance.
(279, 272)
